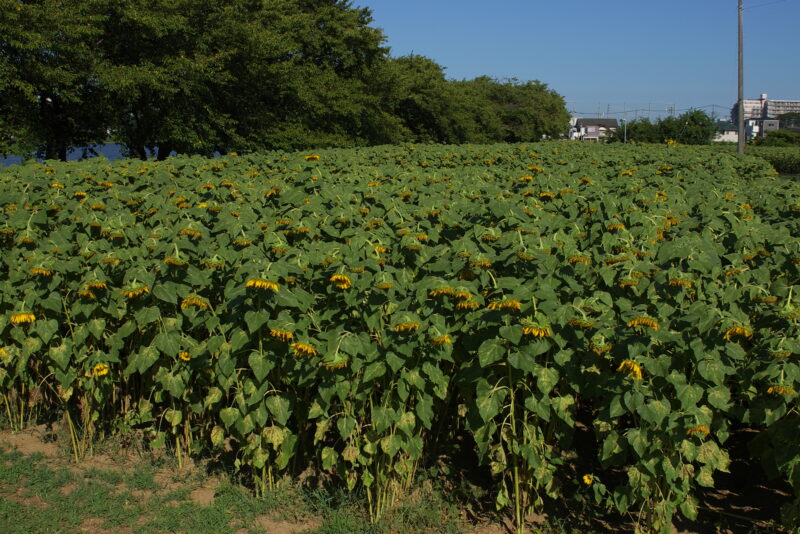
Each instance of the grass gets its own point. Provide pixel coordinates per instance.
(48, 494)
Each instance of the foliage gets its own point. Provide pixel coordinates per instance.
(782, 138)
(358, 310)
(785, 160)
(206, 77)
(691, 128)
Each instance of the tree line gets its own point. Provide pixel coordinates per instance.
(693, 127)
(241, 75)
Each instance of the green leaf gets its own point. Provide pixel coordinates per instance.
(214, 396)
(168, 343)
(546, 379)
(512, 333)
(229, 416)
(490, 351)
(255, 320)
(45, 329)
(329, 458)
(374, 370)
(61, 354)
(173, 417)
(719, 397)
(260, 364)
(97, 327)
(280, 408)
(217, 436)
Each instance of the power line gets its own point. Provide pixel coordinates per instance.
(764, 4)
(651, 110)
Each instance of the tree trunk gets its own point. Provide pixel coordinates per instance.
(138, 151)
(164, 150)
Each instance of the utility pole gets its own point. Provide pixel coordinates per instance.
(625, 115)
(741, 79)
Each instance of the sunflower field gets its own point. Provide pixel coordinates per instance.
(586, 322)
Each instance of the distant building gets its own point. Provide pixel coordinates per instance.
(760, 116)
(727, 132)
(591, 129)
(763, 108)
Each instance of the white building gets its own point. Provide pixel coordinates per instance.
(591, 129)
(763, 108)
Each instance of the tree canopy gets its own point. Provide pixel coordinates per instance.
(694, 127)
(197, 77)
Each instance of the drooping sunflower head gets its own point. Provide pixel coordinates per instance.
(632, 368)
(739, 331)
(281, 335)
(22, 318)
(342, 281)
(701, 430)
(512, 305)
(194, 301)
(135, 291)
(303, 349)
(643, 321)
(41, 271)
(441, 340)
(262, 284)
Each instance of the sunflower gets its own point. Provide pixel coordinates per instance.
(579, 259)
(281, 335)
(342, 281)
(581, 323)
(21, 318)
(441, 340)
(86, 293)
(444, 290)
(175, 262)
(193, 301)
(184, 355)
(40, 271)
(644, 321)
(616, 226)
(467, 305)
(260, 283)
(699, 429)
(101, 369)
(632, 368)
(588, 479)
(537, 331)
(190, 232)
(133, 293)
(337, 361)
(780, 390)
(303, 349)
(680, 282)
(505, 305)
(406, 327)
(737, 331)
(312, 157)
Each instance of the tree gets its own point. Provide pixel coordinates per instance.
(691, 128)
(200, 77)
(49, 95)
(637, 130)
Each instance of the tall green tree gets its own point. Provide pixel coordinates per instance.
(49, 95)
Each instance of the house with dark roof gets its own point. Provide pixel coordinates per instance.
(592, 129)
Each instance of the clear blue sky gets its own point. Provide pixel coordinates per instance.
(632, 53)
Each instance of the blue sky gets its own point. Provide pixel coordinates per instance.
(613, 54)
